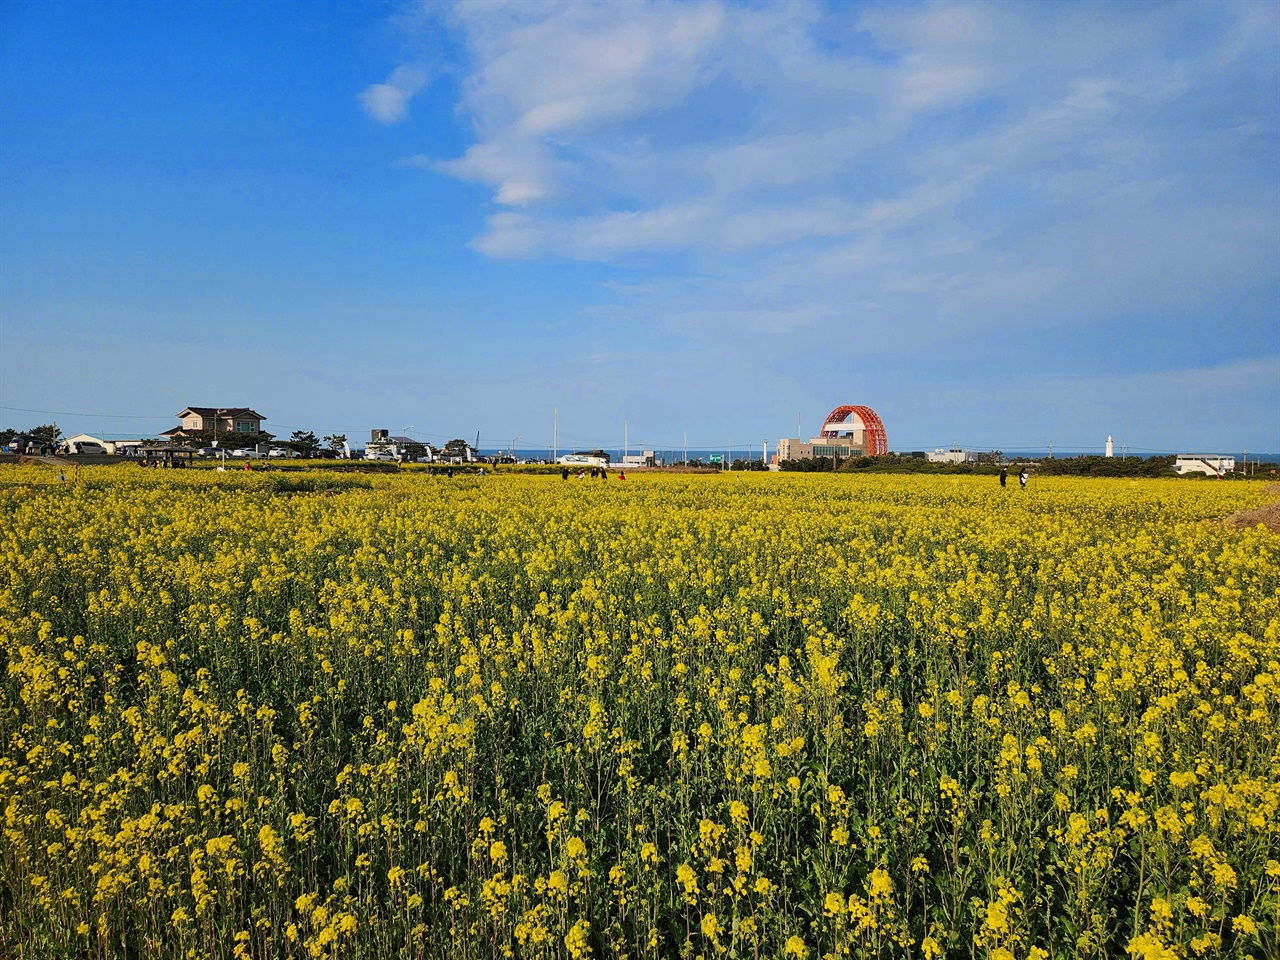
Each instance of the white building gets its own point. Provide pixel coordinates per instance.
(85, 443)
(1213, 466)
(122, 446)
(954, 455)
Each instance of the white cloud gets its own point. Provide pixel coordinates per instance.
(389, 102)
(669, 227)
(552, 68)
(521, 168)
(887, 179)
(512, 235)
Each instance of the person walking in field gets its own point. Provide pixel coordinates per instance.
(1023, 477)
(1004, 474)
(564, 473)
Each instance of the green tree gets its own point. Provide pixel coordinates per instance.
(304, 441)
(456, 448)
(46, 433)
(227, 439)
(334, 441)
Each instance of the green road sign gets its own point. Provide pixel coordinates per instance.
(716, 458)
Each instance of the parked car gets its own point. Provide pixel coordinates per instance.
(83, 446)
(208, 453)
(284, 453)
(248, 453)
(380, 455)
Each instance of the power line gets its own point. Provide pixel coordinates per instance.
(73, 413)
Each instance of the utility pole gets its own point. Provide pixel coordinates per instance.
(798, 434)
(764, 453)
(626, 443)
(686, 448)
(1124, 451)
(731, 453)
(1050, 449)
(555, 432)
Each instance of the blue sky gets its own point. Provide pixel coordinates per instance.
(1000, 225)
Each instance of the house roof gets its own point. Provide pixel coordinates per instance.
(223, 412)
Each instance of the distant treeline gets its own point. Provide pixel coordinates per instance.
(1107, 466)
(892, 463)
(1159, 466)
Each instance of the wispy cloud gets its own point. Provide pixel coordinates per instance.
(389, 102)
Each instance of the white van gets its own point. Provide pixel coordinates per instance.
(84, 446)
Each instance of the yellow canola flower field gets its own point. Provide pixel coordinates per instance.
(324, 716)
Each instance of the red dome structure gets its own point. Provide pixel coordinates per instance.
(868, 419)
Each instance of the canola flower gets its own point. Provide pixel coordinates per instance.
(772, 716)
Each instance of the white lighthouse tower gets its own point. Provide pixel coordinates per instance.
(1111, 448)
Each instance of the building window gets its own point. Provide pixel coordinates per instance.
(245, 426)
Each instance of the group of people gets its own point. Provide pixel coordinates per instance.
(596, 473)
(1023, 477)
(30, 447)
